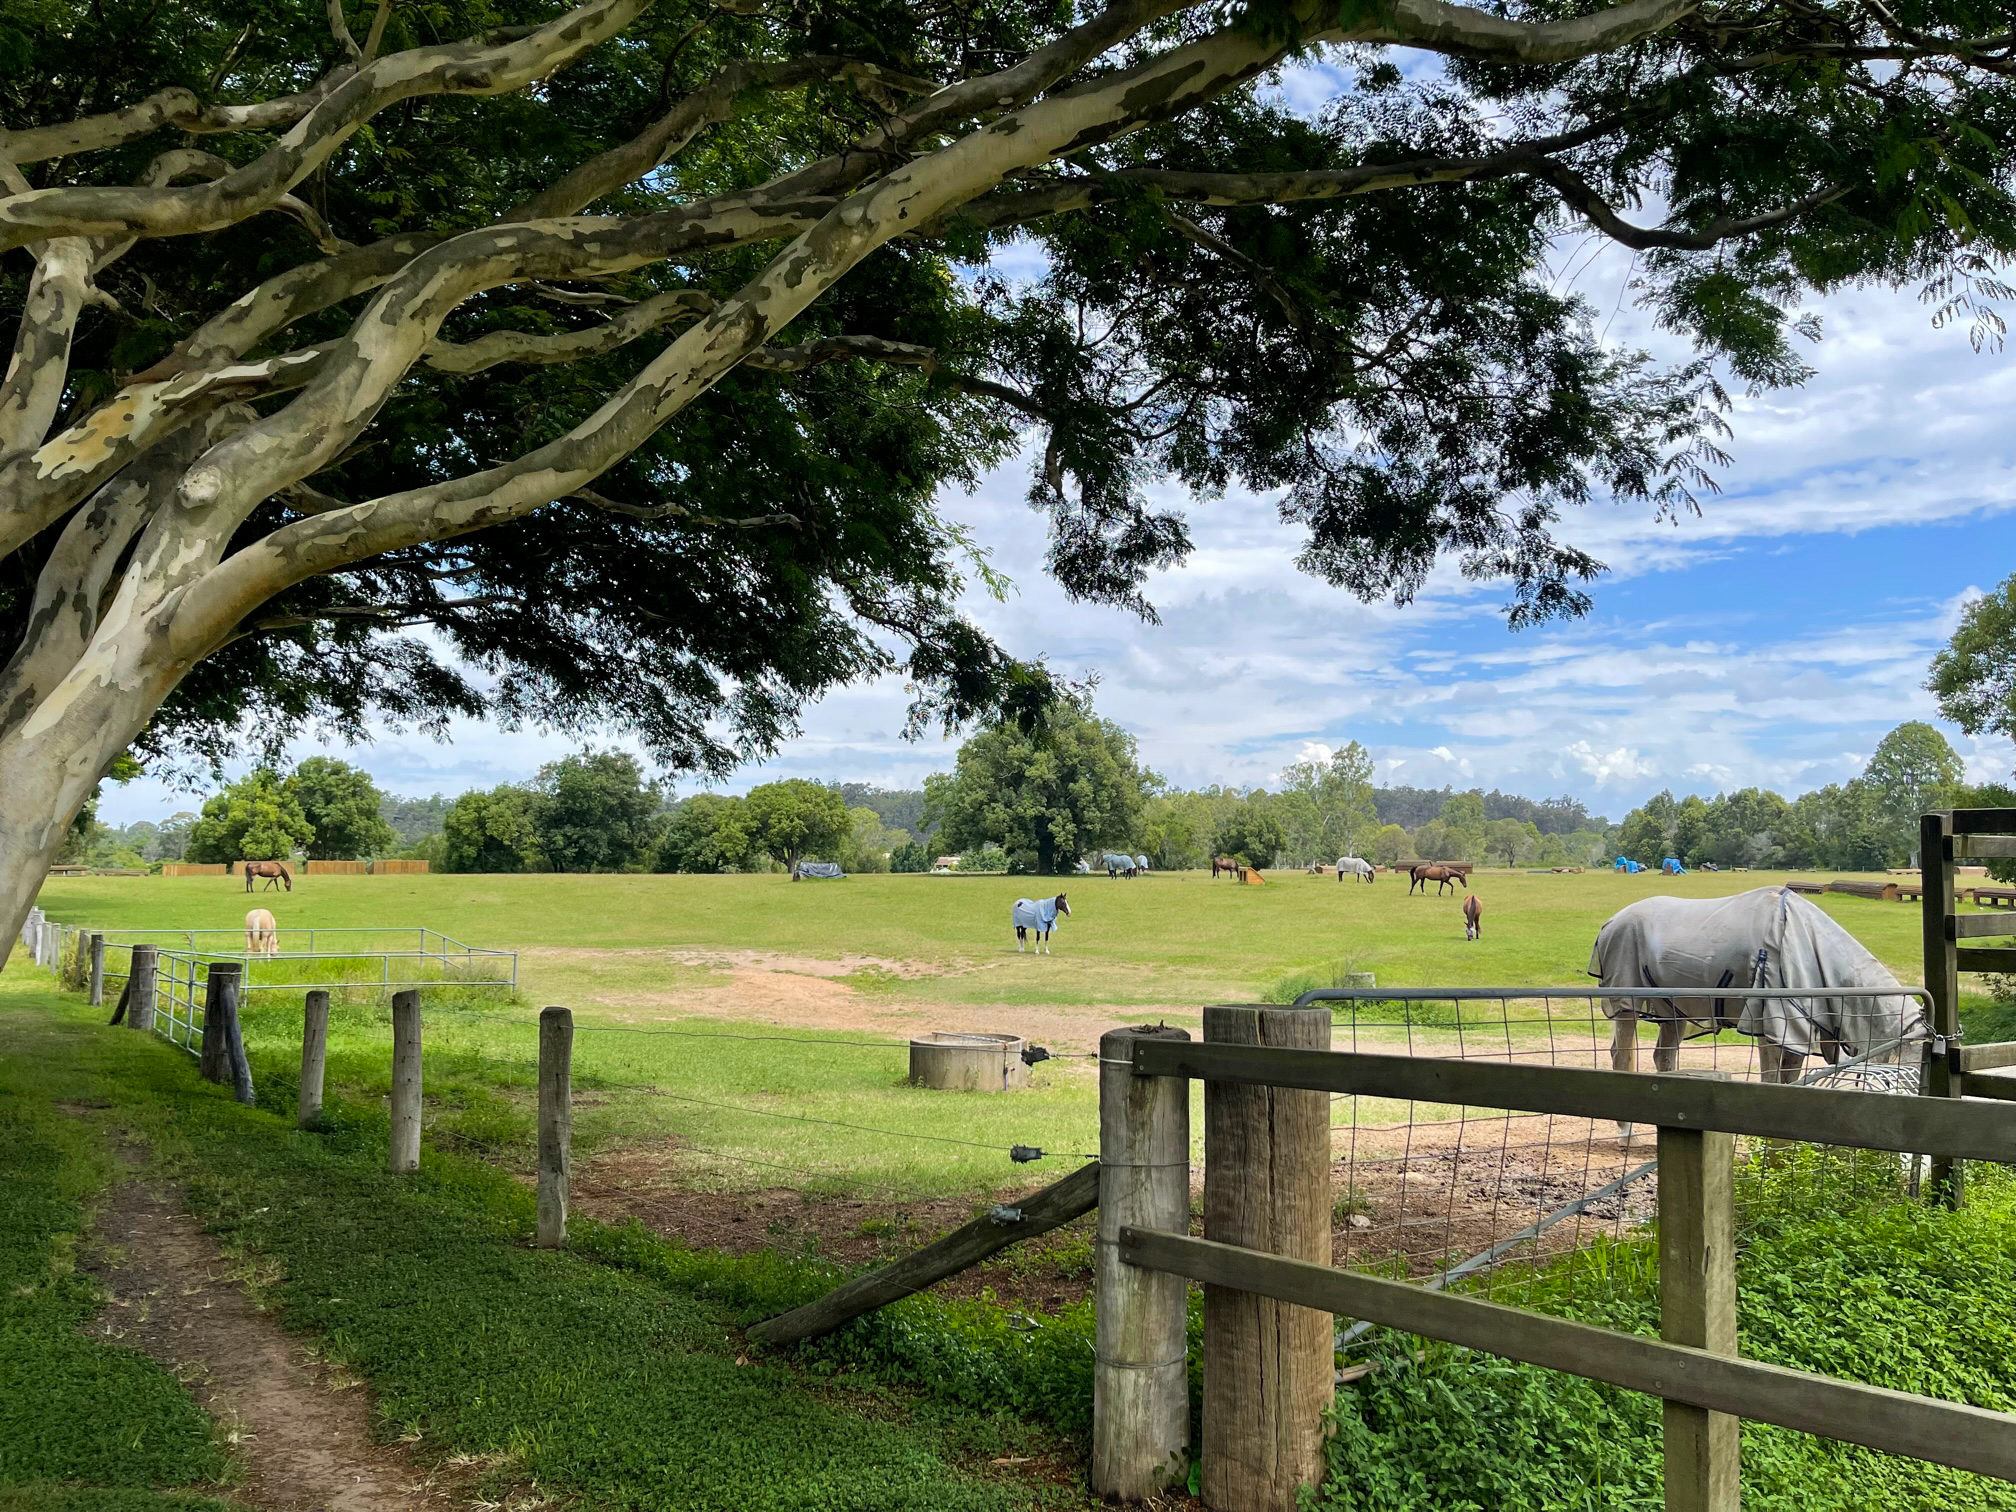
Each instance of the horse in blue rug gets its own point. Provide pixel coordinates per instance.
(1040, 915)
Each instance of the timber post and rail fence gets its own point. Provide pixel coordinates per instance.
(1271, 1295)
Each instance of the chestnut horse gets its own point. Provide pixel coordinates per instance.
(1473, 918)
(1437, 873)
(273, 871)
(1223, 864)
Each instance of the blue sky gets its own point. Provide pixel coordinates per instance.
(1773, 640)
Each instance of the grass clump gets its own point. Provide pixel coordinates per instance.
(84, 1424)
(1836, 1275)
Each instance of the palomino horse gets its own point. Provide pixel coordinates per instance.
(1435, 872)
(1473, 918)
(1697, 956)
(1224, 864)
(262, 933)
(1040, 915)
(275, 872)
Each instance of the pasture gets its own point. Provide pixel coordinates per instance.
(746, 1033)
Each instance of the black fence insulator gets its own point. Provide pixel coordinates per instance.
(1024, 1154)
(1031, 1054)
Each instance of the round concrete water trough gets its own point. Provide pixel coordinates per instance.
(968, 1062)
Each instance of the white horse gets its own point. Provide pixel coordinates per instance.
(1040, 915)
(262, 933)
(1356, 867)
(1767, 937)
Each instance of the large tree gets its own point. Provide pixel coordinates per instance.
(1046, 798)
(1974, 674)
(1326, 802)
(625, 345)
(341, 804)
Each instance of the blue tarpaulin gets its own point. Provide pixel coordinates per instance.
(825, 869)
(1672, 867)
(1626, 864)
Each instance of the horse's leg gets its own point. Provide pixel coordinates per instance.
(1666, 1053)
(1021, 935)
(1624, 1055)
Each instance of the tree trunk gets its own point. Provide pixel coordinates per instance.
(1046, 851)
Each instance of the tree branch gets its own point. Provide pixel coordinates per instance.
(1576, 190)
(457, 68)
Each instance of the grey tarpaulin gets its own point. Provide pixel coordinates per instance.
(1768, 937)
(827, 869)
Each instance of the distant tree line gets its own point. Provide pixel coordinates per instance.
(1865, 824)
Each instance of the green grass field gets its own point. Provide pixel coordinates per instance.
(831, 978)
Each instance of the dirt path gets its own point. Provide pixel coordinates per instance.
(304, 1439)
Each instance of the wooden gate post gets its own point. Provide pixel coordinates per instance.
(405, 1146)
(214, 1061)
(1141, 1365)
(1697, 1307)
(1947, 1178)
(556, 1124)
(1269, 1367)
(314, 1059)
(140, 972)
(97, 968)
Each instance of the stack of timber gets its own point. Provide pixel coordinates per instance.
(1885, 891)
(1810, 889)
(1994, 897)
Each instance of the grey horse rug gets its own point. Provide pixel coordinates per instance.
(1768, 937)
(1035, 913)
(1356, 866)
(828, 870)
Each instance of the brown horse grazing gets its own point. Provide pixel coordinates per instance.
(1442, 876)
(275, 872)
(1473, 918)
(1224, 864)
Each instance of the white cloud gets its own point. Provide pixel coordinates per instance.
(1607, 766)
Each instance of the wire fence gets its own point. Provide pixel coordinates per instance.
(1486, 1199)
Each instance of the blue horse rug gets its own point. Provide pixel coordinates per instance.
(1032, 914)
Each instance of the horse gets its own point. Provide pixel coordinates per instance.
(1442, 876)
(1119, 864)
(1473, 918)
(1359, 868)
(262, 933)
(273, 871)
(1040, 916)
(1226, 865)
(1767, 937)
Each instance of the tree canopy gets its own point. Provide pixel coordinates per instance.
(624, 346)
(1046, 798)
(1974, 676)
(257, 818)
(341, 804)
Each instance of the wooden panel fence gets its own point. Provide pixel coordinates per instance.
(398, 868)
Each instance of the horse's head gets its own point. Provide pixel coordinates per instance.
(1063, 907)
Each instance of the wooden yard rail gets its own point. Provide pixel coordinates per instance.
(1707, 1387)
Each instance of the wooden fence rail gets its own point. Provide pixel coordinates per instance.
(1705, 1386)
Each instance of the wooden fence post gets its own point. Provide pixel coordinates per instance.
(405, 1150)
(1141, 1367)
(214, 1062)
(1697, 1307)
(1269, 1368)
(314, 1059)
(140, 971)
(556, 1124)
(1947, 1178)
(97, 968)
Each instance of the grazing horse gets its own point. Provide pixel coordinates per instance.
(1767, 937)
(1225, 865)
(262, 933)
(275, 873)
(1040, 915)
(1118, 864)
(1357, 867)
(1473, 918)
(1442, 876)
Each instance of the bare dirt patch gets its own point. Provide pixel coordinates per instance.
(303, 1438)
(802, 992)
(642, 1183)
